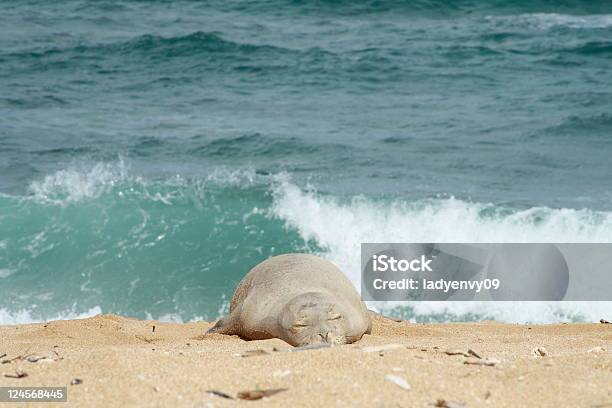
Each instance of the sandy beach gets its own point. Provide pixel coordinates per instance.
(125, 362)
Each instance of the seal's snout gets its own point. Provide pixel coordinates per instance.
(327, 337)
(335, 339)
(315, 318)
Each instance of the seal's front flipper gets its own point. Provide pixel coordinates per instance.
(223, 326)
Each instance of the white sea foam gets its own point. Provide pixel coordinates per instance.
(546, 21)
(29, 316)
(518, 312)
(86, 181)
(25, 316)
(341, 226)
(78, 182)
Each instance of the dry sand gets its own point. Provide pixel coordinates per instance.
(122, 362)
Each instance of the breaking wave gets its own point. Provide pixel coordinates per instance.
(97, 238)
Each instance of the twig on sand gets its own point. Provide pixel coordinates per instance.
(442, 403)
(539, 352)
(251, 353)
(468, 353)
(18, 374)
(456, 352)
(259, 394)
(219, 394)
(18, 357)
(489, 362)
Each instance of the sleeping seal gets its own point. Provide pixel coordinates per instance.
(299, 298)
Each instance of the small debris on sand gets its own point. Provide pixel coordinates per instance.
(488, 362)
(146, 339)
(399, 381)
(252, 353)
(219, 394)
(16, 374)
(18, 357)
(456, 352)
(34, 358)
(281, 373)
(442, 403)
(382, 347)
(76, 381)
(311, 347)
(259, 394)
(539, 352)
(3, 355)
(597, 350)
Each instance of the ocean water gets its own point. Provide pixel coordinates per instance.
(151, 153)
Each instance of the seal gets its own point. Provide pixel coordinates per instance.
(299, 298)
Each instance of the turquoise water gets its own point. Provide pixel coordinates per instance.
(152, 152)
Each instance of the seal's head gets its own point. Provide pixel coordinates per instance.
(313, 318)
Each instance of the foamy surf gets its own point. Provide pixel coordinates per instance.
(99, 238)
(25, 316)
(339, 226)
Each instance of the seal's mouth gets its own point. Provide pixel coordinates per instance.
(328, 337)
(336, 340)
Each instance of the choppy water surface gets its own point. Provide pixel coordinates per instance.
(152, 152)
